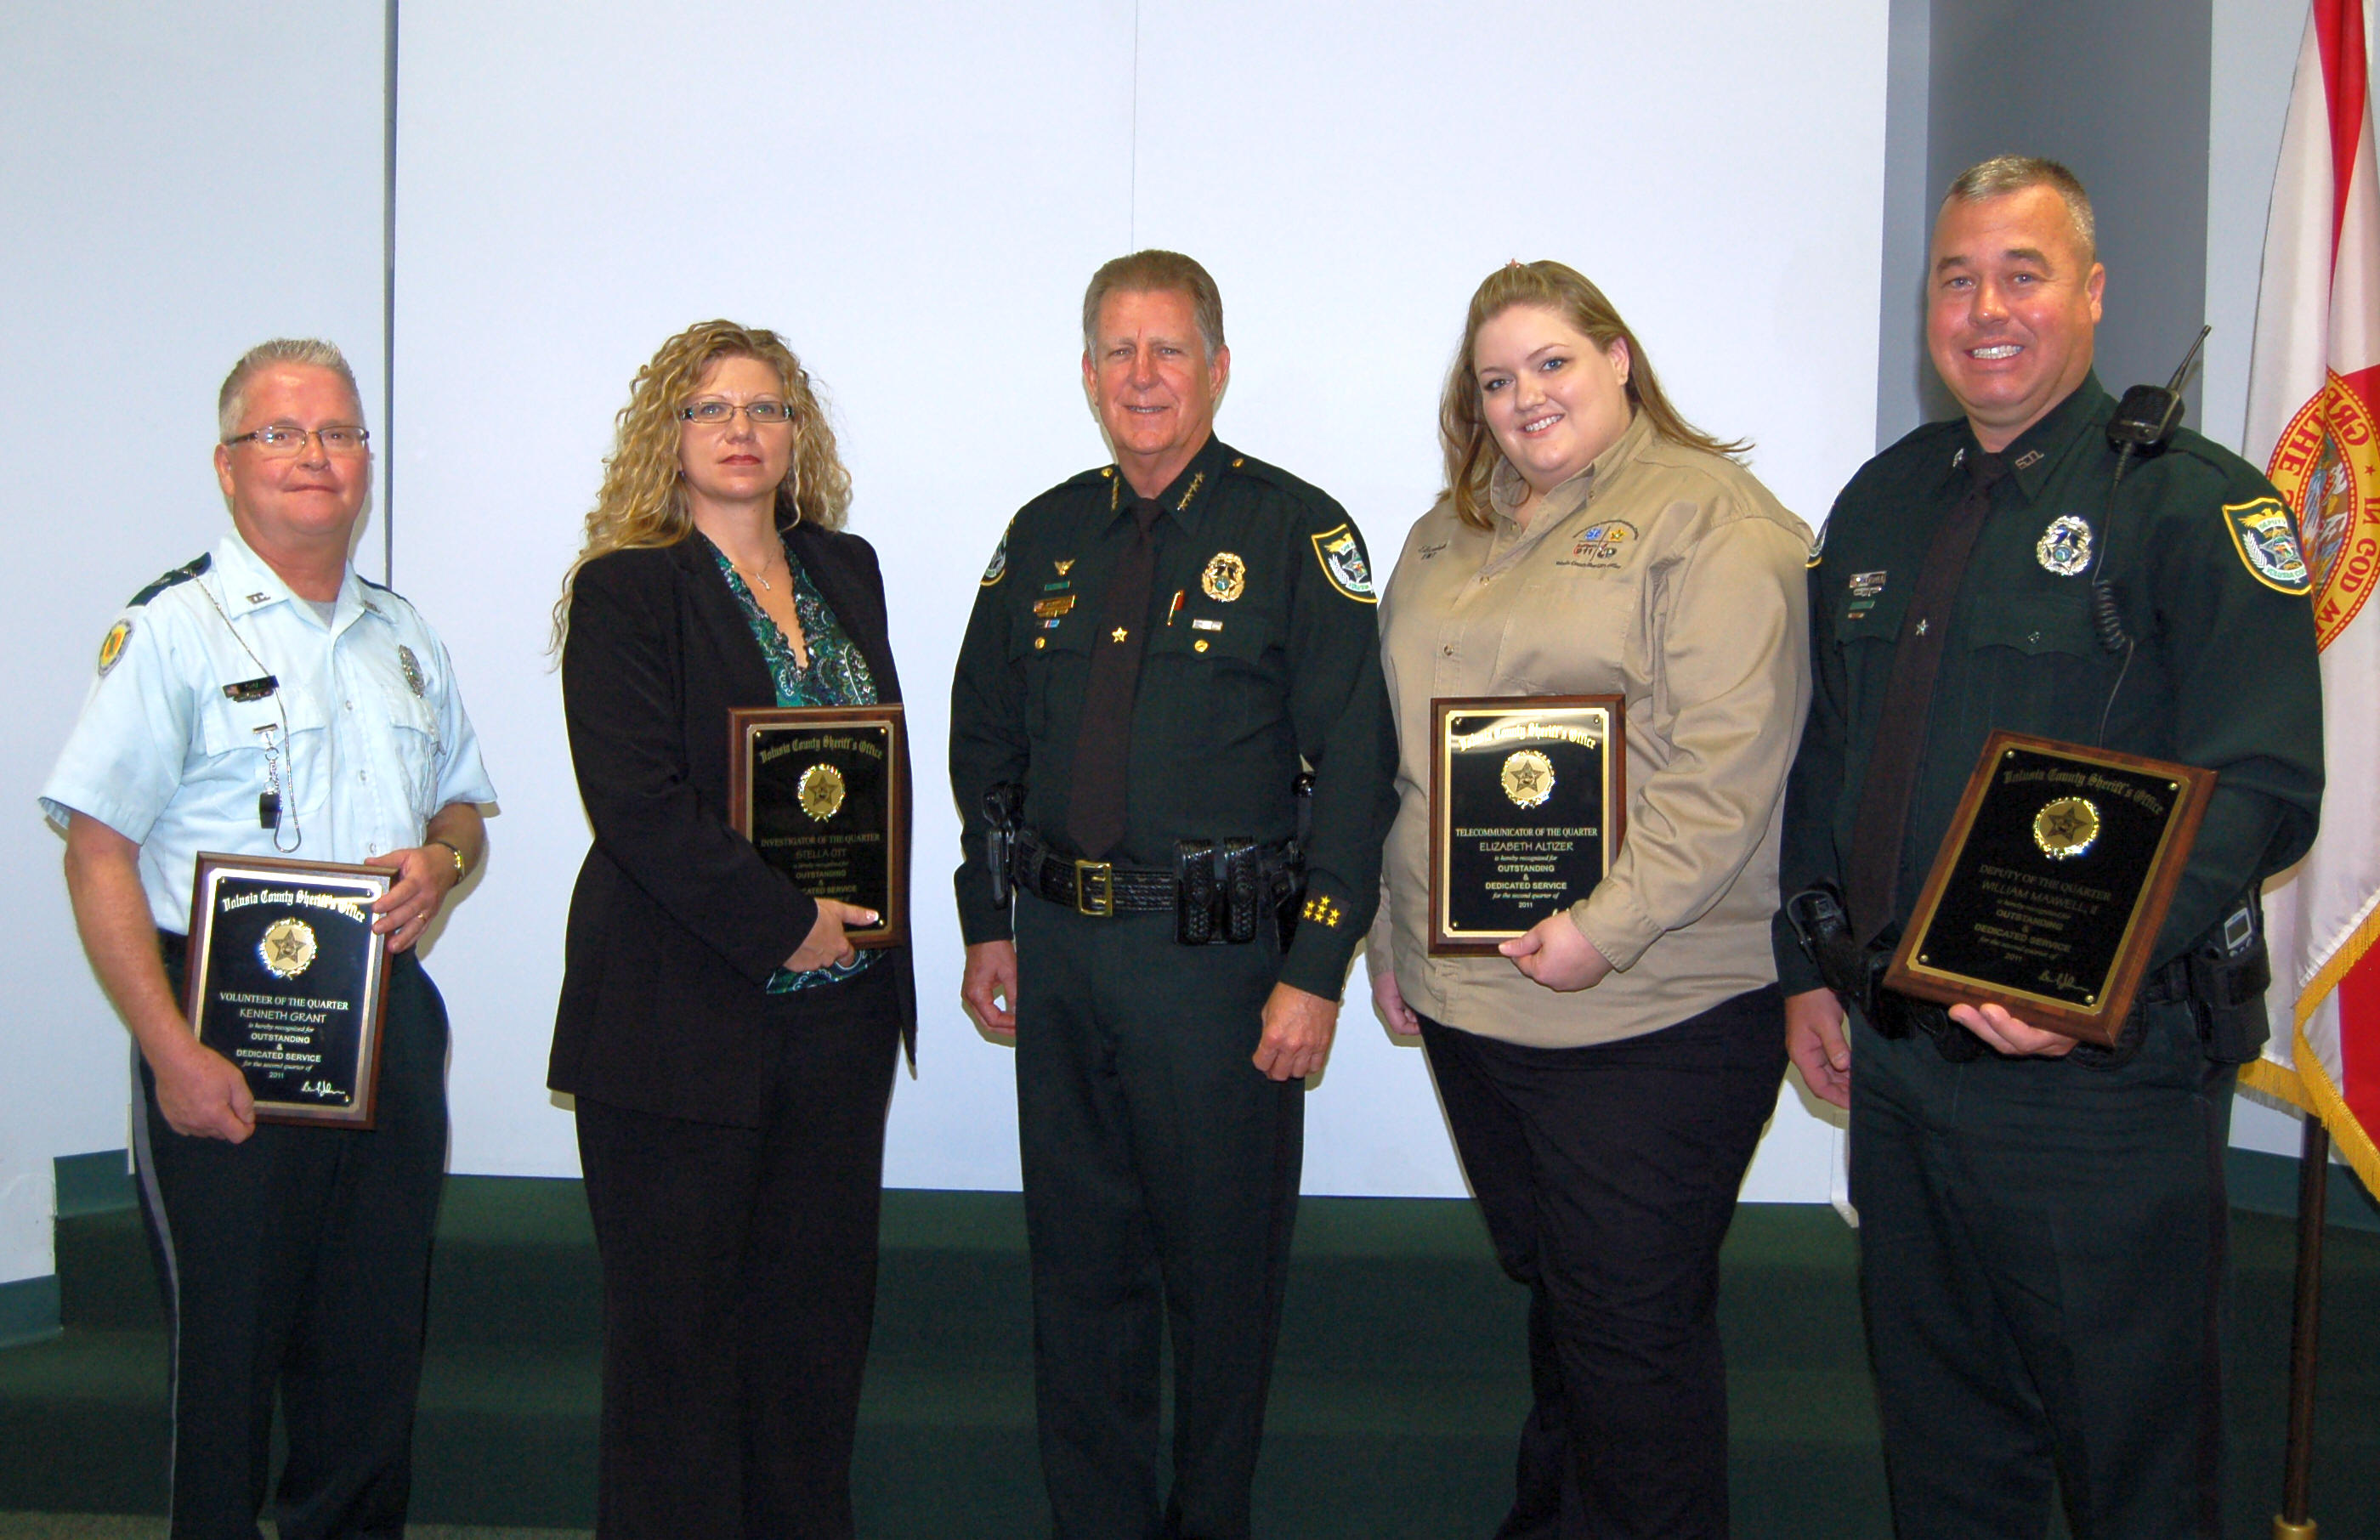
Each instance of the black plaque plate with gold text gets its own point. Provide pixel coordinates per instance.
(820, 791)
(2050, 887)
(286, 978)
(1528, 798)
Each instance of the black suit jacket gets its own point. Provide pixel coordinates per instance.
(677, 922)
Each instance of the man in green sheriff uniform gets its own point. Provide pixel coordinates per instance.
(2042, 1227)
(1155, 648)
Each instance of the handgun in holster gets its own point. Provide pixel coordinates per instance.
(1003, 805)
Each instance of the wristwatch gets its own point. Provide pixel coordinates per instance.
(461, 870)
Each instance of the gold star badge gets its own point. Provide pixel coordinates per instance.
(1116, 635)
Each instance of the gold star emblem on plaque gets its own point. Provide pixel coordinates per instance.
(2067, 828)
(1528, 778)
(820, 792)
(287, 948)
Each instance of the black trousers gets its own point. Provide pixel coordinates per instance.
(1160, 1189)
(739, 1286)
(1608, 1177)
(2042, 1257)
(298, 1260)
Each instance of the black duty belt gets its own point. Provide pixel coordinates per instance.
(1213, 889)
(1096, 888)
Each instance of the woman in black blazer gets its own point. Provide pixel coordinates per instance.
(731, 1056)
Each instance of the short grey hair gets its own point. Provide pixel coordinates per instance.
(2003, 175)
(1157, 271)
(231, 402)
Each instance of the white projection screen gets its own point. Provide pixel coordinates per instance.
(915, 195)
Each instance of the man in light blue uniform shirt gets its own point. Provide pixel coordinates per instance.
(264, 701)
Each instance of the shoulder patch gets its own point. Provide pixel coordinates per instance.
(1341, 556)
(182, 573)
(999, 568)
(2267, 542)
(1818, 546)
(111, 647)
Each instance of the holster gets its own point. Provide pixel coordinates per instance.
(1003, 804)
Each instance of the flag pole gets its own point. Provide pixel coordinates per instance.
(2294, 1521)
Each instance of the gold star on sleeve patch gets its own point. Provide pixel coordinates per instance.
(1323, 910)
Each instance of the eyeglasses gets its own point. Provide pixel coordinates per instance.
(281, 440)
(713, 413)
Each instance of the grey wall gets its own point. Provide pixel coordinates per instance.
(2119, 90)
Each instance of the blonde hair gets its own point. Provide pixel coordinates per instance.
(1470, 446)
(643, 503)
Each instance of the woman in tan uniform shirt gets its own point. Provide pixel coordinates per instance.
(1608, 1079)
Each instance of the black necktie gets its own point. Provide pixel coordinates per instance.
(1103, 741)
(1883, 818)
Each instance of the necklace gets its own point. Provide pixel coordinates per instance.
(759, 576)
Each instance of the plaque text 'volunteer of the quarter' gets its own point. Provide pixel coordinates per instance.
(818, 791)
(285, 978)
(2052, 883)
(1527, 799)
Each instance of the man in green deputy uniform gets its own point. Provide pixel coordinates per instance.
(1155, 648)
(2042, 1225)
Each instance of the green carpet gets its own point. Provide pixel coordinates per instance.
(1400, 1387)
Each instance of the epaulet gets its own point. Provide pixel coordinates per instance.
(182, 573)
(382, 587)
(1318, 502)
(2206, 452)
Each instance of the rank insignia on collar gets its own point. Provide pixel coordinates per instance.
(2065, 547)
(999, 568)
(1341, 556)
(1226, 579)
(2029, 459)
(2267, 542)
(111, 647)
(412, 667)
(260, 596)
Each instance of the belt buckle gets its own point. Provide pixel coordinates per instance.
(1095, 888)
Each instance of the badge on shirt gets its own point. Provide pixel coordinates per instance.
(1342, 562)
(2065, 547)
(1226, 577)
(412, 667)
(1602, 545)
(111, 647)
(2268, 544)
(999, 568)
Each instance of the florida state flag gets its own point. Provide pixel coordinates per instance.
(2314, 411)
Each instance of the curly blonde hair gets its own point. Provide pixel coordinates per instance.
(1463, 435)
(643, 499)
